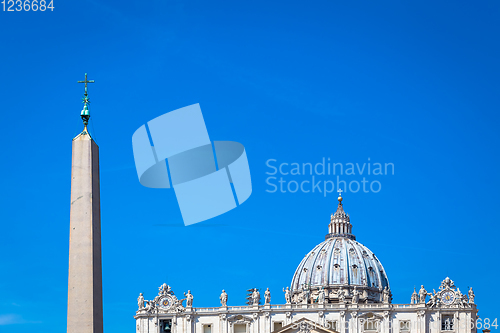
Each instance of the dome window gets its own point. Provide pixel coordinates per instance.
(318, 267)
(336, 266)
(337, 251)
(351, 251)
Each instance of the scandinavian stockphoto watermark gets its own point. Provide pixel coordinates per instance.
(376, 324)
(325, 176)
(209, 178)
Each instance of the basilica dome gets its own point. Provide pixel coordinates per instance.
(340, 263)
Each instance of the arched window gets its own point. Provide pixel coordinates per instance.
(370, 325)
(404, 326)
(240, 328)
(207, 328)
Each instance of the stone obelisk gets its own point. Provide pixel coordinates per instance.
(85, 270)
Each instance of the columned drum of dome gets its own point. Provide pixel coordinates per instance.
(340, 265)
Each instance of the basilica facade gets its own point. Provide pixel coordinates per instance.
(339, 286)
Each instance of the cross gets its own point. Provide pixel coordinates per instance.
(340, 192)
(86, 81)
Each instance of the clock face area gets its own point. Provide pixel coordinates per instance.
(165, 302)
(448, 297)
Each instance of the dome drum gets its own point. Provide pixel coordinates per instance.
(366, 294)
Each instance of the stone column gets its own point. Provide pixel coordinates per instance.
(256, 322)
(354, 322)
(189, 323)
(222, 323)
(152, 325)
(421, 324)
(321, 318)
(266, 323)
(468, 328)
(386, 326)
(342, 322)
(175, 327)
(85, 272)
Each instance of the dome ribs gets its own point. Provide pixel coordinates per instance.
(341, 262)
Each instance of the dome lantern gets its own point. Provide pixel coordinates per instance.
(340, 223)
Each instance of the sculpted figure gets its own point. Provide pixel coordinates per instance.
(164, 289)
(223, 298)
(255, 297)
(461, 299)
(433, 301)
(365, 295)
(267, 296)
(305, 292)
(341, 295)
(149, 306)
(355, 296)
(321, 296)
(423, 294)
(189, 299)
(471, 296)
(288, 298)
(140, 301)
(385, 295)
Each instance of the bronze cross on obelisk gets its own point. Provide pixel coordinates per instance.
(85, 114)
(86, 81)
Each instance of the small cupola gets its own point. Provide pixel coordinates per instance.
(340, 223)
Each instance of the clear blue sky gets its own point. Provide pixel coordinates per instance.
(413, 83)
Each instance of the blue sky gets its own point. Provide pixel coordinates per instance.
(413, 83)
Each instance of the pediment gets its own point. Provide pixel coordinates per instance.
(239, 319)
(371, 316)
(304, 325)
